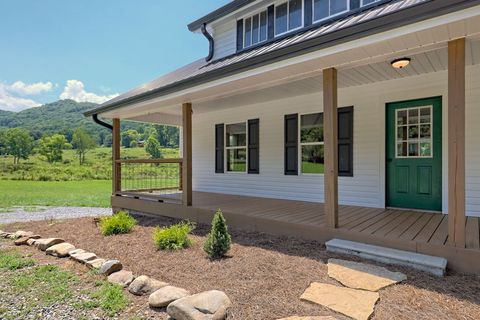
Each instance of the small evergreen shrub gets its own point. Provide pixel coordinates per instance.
(218, 240)
(173, 237)
(119, 223)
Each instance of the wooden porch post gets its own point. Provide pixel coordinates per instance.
(116, 167)
(187, 154)
(456, 142)
(330, 129)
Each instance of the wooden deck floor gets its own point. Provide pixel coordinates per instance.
(423, 232)
(425, 227)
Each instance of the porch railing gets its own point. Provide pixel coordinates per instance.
(151, 178)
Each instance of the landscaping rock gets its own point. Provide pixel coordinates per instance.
(21, 233)
(145, 285)
(83, 257)
(357, 304)
(164, 296)
(76, 251)
(95, 264)
(31, 241)
(362, 276)
(44, 244)
(4, 234)
(110, 267)
(60, 250)
(24, 240)
(122, 277)
(208, 305)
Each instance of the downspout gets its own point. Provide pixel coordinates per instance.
(100, 122)
(211, 42)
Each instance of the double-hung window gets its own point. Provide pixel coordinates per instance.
(255, 29)
(323, 9)
(236, 147)
(312, 143)
(288, 16)
(367, 2)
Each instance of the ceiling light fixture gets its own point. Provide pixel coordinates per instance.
(400, 63)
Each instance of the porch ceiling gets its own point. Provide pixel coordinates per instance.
(359, 62)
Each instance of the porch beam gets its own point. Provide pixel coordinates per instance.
(456, 143)
(330, 127)
(187, 154)
(116, 166)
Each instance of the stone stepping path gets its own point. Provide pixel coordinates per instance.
(360, 294)
(181, 305)
(362, 276)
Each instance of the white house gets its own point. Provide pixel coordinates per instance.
(354, 119)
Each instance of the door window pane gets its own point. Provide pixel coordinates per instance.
(295, 14)
(263, 26)
(313, 159)
(237, 160)
(311, 128)
(281, 18)
(248, 32)
(337, 6)
(236, 135)
(414, 132)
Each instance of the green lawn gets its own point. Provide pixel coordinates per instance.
(89, 193)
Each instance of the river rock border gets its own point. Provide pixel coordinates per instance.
(180, 303)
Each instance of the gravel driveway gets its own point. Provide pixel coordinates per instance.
(47, 213)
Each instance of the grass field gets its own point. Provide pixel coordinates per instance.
(91, 193)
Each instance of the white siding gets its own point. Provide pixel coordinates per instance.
(225, 35)
(367, 187)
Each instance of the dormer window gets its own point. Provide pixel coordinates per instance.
(367, 2)
(255, 29)
(323, 9)
(288, 16)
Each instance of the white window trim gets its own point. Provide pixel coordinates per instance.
(288, 18)
(258, 13)
(300, 144)
(233, 148)
(329, 16)
(363, 5)
(418, 140)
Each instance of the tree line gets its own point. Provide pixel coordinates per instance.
(21, 144)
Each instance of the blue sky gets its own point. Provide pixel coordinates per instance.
(90, 50)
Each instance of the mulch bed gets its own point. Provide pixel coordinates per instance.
(264, 275)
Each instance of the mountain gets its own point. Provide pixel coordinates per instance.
(63, 116)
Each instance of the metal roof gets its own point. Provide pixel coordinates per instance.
(374, 20)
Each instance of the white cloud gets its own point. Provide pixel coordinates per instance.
(30, 89)
(75, 90)
(10, 102)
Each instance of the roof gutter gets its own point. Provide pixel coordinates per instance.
(100, 122)
(387, 22)
(211, 43)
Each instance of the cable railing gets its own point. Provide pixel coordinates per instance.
(152, 178)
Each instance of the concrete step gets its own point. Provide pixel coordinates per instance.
(430, 264)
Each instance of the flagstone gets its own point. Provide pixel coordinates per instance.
(357, 304)
(363, 276)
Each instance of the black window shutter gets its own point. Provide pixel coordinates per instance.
(354, 4)
(254, 146)
(291, 144)
(219, 145)
(271, 21)
(308, 17)
(239, 34)
(345, 142)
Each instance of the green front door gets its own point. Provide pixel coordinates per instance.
(414, 154)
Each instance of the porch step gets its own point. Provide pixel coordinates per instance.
(430, 264)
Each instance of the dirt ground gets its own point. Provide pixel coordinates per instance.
(264, 275)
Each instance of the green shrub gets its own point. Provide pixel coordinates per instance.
(119, 223)
(174, 237)
(218, 240)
